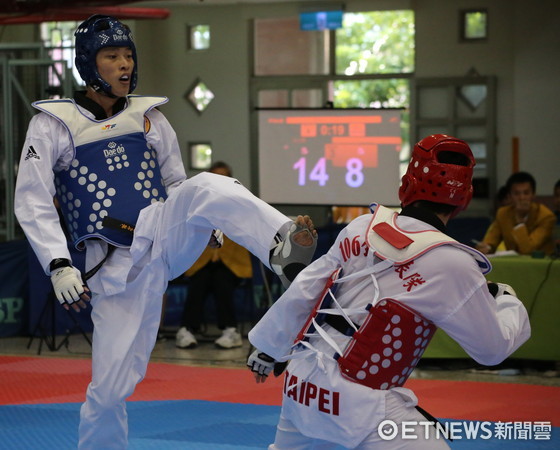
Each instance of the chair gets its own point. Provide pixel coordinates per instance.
(467, 229)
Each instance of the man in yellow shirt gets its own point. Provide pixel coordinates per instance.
(524, 225)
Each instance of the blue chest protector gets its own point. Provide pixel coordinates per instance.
(114, 172)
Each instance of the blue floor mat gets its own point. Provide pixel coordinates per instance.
(182, 424)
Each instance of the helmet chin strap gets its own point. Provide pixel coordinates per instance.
(101, 91)
(108, 94)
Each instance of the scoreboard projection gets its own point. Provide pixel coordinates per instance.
(329, 157)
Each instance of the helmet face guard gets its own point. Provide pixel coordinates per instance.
(427, 178)
(92, 35)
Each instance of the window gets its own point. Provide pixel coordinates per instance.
(385, 93)
(58, 39)
(199, 96)
(199, 37)
(474, 25)
(200, 155)
(372, 60)
(368, 63)
(377, 42)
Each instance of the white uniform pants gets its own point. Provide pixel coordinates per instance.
(171, 236)
(289, 438)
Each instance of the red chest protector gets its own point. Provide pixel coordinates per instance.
(385, 350)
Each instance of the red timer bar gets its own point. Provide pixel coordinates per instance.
(332, 126)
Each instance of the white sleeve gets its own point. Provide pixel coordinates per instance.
(43, 150)
(489, 329)
(163, 138)
(275, 333)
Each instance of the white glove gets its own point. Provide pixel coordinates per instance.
(260, 363)
(68, 285)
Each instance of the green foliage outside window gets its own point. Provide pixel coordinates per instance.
(370, 43)
(58, 34)
(382, 93)
(375, 42)
(475, 25)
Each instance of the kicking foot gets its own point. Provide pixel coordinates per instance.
(307, 236)
(295, 250)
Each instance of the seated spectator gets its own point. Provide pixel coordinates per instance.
(524, 225)
(218, 271)
(502, 197)
(346, 214)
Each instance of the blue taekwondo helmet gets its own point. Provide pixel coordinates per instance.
(95, 33)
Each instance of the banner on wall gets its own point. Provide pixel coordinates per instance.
(45, 310)
(14, 291)
(26, 304)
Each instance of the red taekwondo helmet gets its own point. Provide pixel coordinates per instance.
(434, 175)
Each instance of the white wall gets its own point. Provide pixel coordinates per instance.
(523, 52)
(440, 53)
(169, 68)
(536, 90)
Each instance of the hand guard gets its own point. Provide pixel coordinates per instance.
(497, 289)
(260, 363)
(67, 283)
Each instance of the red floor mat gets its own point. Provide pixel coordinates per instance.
(31, 380)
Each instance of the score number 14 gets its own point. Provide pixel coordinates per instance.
(354, 176)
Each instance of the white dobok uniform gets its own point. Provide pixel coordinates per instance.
(127, 291)
(445, 285)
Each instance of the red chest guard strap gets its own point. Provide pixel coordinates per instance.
(385, 350)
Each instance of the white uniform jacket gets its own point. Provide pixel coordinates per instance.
(445, 285)
(49, 148)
